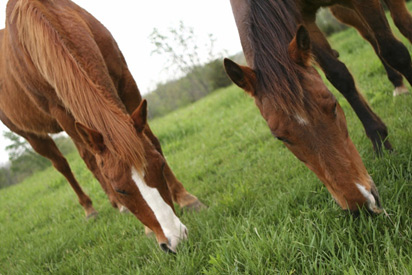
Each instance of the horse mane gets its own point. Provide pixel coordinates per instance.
(82, 83)
(272, 26)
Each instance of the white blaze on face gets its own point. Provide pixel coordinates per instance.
(171, 225)
(301, 120)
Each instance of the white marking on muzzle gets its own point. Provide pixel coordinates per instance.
(370, 199)
(172, 227)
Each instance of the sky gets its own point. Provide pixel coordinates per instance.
(132, 21)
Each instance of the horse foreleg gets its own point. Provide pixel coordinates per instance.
(391, 49)
(46, 147)
(179, 193)
(340, 77)
(90, 161)
(67, 122)
(351, 18)
(401, 17)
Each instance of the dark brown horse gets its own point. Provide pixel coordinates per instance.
(299, 109)
(60, 69)
(370, 17)
(402, 19)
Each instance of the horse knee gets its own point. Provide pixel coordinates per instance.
(396, 55)
(338, 74)
(61, 165)
(404, 24)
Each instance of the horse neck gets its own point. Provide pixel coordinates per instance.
(266, 28)
(279, 19)
(77, 72)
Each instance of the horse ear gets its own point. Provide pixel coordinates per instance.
(242, 76)
(139, 116)
(92, 138)
(299, 47)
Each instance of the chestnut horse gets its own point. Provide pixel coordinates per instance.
(60, 69)
(297, 106)
(402, 19)
(370, 17)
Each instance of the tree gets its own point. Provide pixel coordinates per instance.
(216, 75)
(328, 23)
(185, 56)
(24, 161)
(198, 69)
(5, 177)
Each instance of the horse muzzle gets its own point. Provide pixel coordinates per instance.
(373, 203)
(173, 241)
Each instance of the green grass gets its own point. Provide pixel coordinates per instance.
(267, 212)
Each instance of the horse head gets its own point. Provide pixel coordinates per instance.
(311, 124)
(143, 190)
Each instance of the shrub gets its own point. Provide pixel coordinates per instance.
(328, 23)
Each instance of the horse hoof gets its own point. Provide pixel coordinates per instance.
(195, 206)
(92, 215)
(400, 90)
(123, 209)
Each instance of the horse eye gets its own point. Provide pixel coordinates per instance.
(334, 109)
(284, 140)
(120, 191)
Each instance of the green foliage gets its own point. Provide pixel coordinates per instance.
(182, 50)
(268, 214)
(24, 161)
(328, 23)
(179, 93)
(216, 75)
(65, 144)
(5, 177)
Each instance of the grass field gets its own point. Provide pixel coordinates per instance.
(267, 212)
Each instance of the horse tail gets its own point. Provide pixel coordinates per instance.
(65, 53)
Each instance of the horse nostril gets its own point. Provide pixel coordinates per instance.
(356, 213)
(166, 249)
(375, 194)
(373, 212)
(376, 208)
(372, 198)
